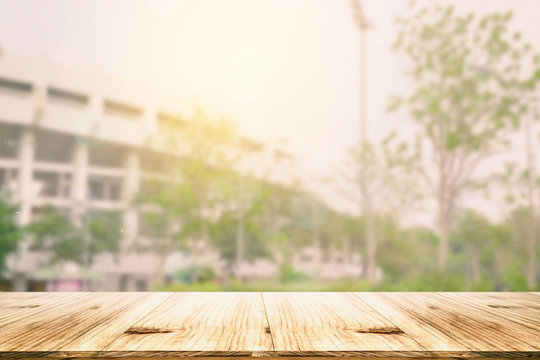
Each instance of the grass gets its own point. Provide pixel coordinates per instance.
(270, 286)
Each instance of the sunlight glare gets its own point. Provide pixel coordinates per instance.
(189, 64)
(248, 71)
(254, 123)
(163, 8)
(288, 6)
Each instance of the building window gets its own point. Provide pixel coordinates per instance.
(96, 189)
(141, 285)
(105, 188)
(114, 191)
(8, 180)
(281, 155)
(250, 145)
(4, 180)
(114, 108)
(107, 155)
(123, 282)
(53, 147)
(48, 183)
(65, 185)
(9, 141)
(66, 97)
(14, 87)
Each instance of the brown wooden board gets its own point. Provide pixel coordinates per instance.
(284, 325)
(456, 321)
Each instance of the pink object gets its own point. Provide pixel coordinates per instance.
(68, 285)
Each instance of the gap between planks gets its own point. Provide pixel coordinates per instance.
(285, 316)
(268, 322)
(137, 321)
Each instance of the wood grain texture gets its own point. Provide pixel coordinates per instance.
(202, 323)
(83, 323)
(454, 322)
(16, 307)
(285, 325)
(515, 307)
(321, 323)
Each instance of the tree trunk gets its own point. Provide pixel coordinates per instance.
(444, 234)
(371, 247)
(318, 250)
(240, 239)
(160, 271)
(531, 246)
(531, 250)
(194, 250)
(475, 264)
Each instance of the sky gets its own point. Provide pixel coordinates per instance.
(281, 68)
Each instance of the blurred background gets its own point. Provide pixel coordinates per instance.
(269, 145)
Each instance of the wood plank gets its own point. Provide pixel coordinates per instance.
(444, 325)
(506, 321)
(285, 325)
(523, 308)
(105, 329)
(409, 319)
(217, 324)
(369, 355)
(14, 320)
(330, 324)
(15, 307)
(85, 323)
(22, 296)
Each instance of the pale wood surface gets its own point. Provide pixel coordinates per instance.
(212, 322)
(311, 325)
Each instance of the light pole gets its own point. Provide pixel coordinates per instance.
(371, 247)
(363, 25)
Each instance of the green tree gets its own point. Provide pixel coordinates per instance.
(224, 236)
(237, 194)
(393, 191)
(56, 233)
(521, 187)
(182, 210)
(308, 215)
(519, 222)
(10, 233)
(468, 76)
(275, 219)
(473, 238)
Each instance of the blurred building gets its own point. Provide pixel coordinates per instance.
(80, 141)
(328, 264)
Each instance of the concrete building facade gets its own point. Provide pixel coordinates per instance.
(82, 140)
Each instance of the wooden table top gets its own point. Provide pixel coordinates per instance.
(391, 325)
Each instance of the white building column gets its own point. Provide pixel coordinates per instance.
(95, 126)
(79, 186)
(131, 187)
(39, 88)
(26, 164)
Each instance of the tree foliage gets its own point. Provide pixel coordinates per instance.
(77, 240)
(10, 233)
(469, 77)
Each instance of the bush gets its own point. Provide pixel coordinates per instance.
(288, 274)
(195, 274)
